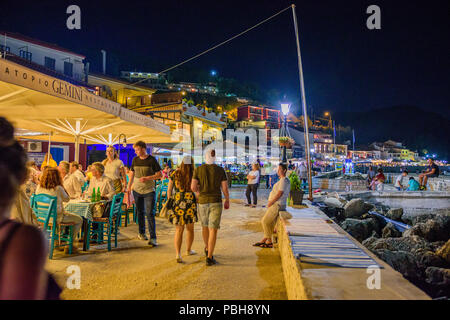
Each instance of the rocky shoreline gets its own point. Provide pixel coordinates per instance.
(421, 253)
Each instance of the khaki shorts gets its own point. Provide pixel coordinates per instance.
(210, 214)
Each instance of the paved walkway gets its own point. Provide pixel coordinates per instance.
(136, 271)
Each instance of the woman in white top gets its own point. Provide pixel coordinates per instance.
(252, 185)
(51, 184)
(114, 169)
(99, 180)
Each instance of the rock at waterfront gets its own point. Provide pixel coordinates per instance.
(402, 261)
(394, 214)
(436, 229)
(444, 252)
(439, 278)
(356, 208)
(333, 202)
(389, 231)
(410, 244)
(427, 259)
(360, 229)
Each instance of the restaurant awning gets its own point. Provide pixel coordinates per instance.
(37, 103)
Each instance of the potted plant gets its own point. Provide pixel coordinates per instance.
(287, 142)
(296, 193)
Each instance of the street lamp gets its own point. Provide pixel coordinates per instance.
(285, 110)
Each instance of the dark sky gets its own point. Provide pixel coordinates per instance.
(346, 66)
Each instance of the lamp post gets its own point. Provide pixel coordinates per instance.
(285, 110)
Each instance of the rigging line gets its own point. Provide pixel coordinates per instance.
(220, 44)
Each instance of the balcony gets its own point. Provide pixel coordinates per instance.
(76, 80)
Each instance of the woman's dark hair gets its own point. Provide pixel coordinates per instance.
(284, 166)
(380, 170)
(13, 159)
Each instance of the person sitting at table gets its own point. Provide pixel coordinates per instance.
(99, 180)
(71, 183)
(21, 210)
(48, 162)
(74, 170)
(51, 184)
(88, 173)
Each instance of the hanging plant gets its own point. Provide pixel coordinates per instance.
(287, 142)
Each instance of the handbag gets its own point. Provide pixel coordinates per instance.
(168, 205)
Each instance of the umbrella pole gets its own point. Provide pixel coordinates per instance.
(77, 148)
(49, 148)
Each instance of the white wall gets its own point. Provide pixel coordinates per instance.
(40, 52)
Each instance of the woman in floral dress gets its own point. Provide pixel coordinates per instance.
(184, 209)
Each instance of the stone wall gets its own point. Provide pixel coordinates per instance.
(439, 184)
(338, 184)
(413, 202)
(295, 288)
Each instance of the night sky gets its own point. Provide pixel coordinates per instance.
(346, 66)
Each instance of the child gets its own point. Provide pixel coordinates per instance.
(413, 184)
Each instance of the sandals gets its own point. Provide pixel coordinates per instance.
(258, 244)
(263, 245)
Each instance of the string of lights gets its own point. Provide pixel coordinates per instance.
(221, 44)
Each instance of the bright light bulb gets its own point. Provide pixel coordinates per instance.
(285, 108)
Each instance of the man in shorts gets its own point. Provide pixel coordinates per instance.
(210, 181)
(432, 172)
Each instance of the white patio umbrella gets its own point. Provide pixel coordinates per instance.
(69, 112)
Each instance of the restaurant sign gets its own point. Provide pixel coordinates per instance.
(16, 74)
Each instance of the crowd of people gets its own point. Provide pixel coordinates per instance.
(375, 181)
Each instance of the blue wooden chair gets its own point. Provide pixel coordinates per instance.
(125, 212)
(162, 197)
(84, 186)
(45, 208)
(108, 226)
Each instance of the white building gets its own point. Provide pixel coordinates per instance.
(45, 54)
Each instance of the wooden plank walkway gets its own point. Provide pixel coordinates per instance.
(315, 241)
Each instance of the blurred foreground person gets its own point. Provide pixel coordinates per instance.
(23, 248)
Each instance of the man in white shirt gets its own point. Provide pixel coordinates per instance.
(71, 184)
(401, 183)
(74, 170)
(277, 202)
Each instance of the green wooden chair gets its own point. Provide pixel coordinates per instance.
(44, 207)
(108, 226)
